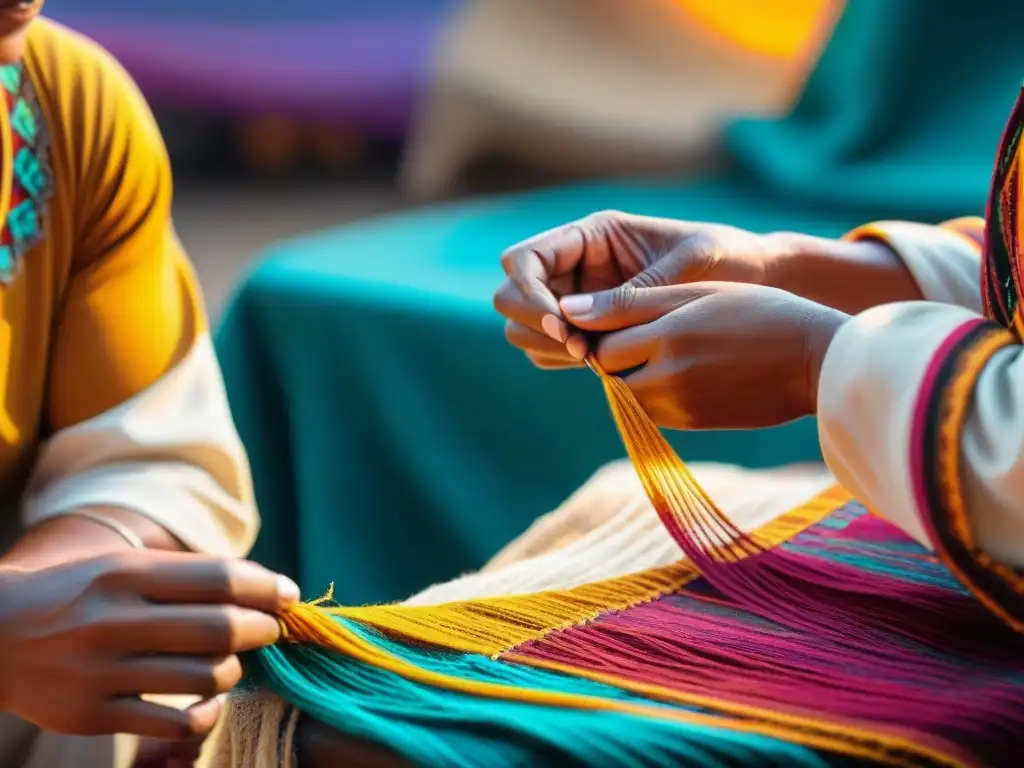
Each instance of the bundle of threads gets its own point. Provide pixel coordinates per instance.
(827, 637)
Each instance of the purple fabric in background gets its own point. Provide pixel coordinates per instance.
(362, 63)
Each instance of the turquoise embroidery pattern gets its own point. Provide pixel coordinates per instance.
(33, 181)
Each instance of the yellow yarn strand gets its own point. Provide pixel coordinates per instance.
(490, 626)
(667, 480)
(493, 625)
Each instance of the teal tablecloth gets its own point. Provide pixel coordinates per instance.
(395, 438)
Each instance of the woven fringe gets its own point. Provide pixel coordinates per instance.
(251, 736)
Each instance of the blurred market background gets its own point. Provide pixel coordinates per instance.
(284, 118)
(395, 438)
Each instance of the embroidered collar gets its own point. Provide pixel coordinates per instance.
(32, 183)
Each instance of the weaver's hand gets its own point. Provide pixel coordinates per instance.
(80, 643)
(716, 355)
(626, 253)
(608, 250)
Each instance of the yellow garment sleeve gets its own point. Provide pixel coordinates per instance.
(131, 309)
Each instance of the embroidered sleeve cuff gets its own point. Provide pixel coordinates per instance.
(920, 417)
(944, 260)
(956, 472)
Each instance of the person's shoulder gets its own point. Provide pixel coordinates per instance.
(61, 57)
(78, 77)
(81, 84)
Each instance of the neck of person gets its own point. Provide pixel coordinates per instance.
(12, 46)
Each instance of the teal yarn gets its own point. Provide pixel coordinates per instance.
(431, 727)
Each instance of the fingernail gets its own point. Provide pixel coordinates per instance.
(554, 328)
(577, 347)
(579, 304)
(287, 592)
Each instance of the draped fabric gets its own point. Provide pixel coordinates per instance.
(901, 116)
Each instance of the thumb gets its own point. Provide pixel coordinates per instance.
(627, 305)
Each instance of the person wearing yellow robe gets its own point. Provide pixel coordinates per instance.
(125, 495)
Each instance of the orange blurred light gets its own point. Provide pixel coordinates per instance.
(781, 29)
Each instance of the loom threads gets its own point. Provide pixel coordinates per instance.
(825, 637)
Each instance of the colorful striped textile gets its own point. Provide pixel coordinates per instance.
(663, 668)
(826, 635)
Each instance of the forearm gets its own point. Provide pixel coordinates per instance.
(849, 276)
(67, 538)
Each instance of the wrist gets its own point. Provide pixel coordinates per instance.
(817, 343)
(61, 540)
(71, 537)
(851, 276)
